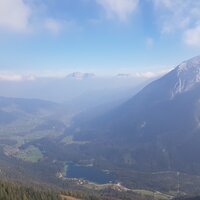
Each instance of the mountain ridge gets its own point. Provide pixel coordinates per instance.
(159, 126)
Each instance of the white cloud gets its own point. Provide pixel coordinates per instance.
(14, 15)
(31, 75)
(181, 16)
(53, 26)
(11, 76)
(121, 9)
(24, 16)
(177, 14)
(18, 76)
(4, 77)
(191, 36)
(151, 74)
(167, 3)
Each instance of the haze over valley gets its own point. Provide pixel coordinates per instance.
(99, 100)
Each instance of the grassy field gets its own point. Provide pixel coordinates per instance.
(70, 140)
(31, 154)
(154, 195)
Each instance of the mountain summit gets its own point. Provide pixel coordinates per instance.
(80, 76)
(183, 78)
(188, 75)
(161, 124)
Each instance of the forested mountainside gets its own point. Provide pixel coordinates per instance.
(11, 190)
(16, 191)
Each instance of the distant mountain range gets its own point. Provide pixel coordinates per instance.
(80, 76)
(124, 75)
(160, 126)
(70, 87)
(12, 109)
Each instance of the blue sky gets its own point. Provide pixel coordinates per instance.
(100, 36)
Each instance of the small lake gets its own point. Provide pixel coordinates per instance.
(91, 174)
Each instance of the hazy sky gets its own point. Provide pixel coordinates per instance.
(108, 36)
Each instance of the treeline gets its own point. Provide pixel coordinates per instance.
(16, 191)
